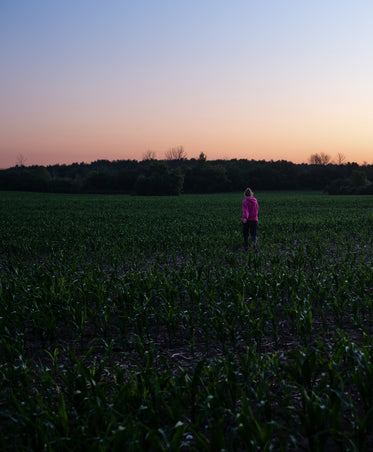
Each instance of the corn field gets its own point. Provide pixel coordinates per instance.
(140, 323)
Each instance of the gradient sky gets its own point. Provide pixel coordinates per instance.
(83, 80)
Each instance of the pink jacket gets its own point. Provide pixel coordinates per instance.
(250, 209)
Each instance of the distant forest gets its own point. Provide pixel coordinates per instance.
(174, 176)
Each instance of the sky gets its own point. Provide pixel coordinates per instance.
(83, 80)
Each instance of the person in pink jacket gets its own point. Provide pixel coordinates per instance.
(250, 210)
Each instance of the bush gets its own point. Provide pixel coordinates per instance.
(344, 187)
(63, 185)
(99, 182)
(168, 183)
(336, 187)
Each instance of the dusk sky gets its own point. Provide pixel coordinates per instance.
(83, 80)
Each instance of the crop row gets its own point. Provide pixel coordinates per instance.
(141, 324)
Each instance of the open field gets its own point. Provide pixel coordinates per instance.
(136, 323)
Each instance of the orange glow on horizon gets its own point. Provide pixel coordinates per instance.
(233, 81)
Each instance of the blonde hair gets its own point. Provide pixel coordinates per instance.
(248, 192)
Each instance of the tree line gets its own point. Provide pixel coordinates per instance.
(177, 174)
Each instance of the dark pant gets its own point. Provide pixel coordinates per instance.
(250, 227)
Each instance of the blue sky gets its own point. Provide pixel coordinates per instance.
(83, 80)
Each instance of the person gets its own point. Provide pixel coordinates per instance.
(250, 210)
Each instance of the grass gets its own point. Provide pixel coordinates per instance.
(135, 323)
